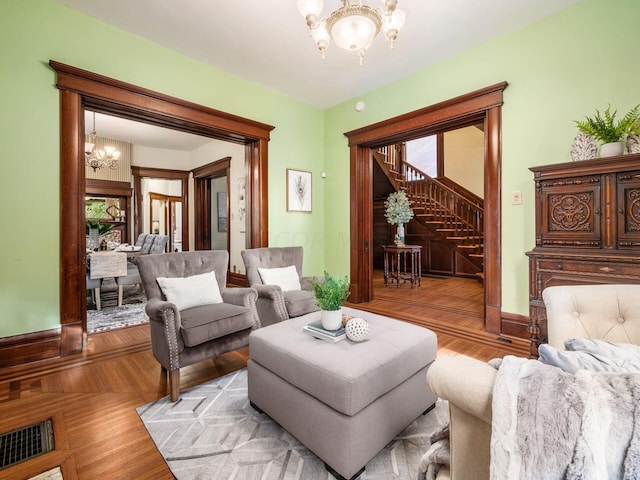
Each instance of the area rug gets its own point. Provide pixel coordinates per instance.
(213, 433)
(111, 316)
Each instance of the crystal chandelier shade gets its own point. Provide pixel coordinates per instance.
(353, 26)
(99, 158)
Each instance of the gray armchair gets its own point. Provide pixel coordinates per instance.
(183, 337)
(274, 304)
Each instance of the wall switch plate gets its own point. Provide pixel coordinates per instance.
(516, 197)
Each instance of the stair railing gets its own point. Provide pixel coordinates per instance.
(454, 211)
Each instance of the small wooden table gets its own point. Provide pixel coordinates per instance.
(396, 260)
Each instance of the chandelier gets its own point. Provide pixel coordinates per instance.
(352, 26)
(99, 158)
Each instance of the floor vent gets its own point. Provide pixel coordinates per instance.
(24, 443)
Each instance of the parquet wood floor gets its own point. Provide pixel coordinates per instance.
(92, 396)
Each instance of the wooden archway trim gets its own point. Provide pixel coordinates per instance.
(80, 89)
(480, 105)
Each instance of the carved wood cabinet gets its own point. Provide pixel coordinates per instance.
(587, 229)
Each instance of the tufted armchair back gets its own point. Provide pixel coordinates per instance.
(272, 257)
(606, 312)
(181, 264)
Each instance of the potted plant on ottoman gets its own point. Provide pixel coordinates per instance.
(611, 133)
(330, 295)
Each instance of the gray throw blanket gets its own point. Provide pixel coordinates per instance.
(555, 425)
(437, 456)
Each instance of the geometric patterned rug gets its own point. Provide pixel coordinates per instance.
(213, 433)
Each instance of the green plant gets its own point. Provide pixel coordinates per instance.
(398, 210)
(606, 129)
(102, 227)
(331, 292)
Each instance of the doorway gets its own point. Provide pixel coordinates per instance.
(481, 106)
(80, 89)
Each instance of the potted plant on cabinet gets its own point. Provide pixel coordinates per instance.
(610, 133)
(398, 212)
(330, 294)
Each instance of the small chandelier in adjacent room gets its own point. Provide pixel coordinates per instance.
(353, 26)
(99, 158)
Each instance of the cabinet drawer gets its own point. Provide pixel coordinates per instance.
(617, 270)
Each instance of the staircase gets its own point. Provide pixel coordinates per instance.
(448, 211)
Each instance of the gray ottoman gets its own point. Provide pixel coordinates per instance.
(344, 401)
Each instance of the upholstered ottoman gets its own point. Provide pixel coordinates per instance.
(344, 401)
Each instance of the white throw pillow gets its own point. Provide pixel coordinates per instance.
(285, 277)
(189, 292)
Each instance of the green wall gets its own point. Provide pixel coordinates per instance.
(559, 69)
(34, 31)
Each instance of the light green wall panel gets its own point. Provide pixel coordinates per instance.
(559, 69)
(34, 31)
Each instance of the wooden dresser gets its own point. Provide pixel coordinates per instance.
(587, 229)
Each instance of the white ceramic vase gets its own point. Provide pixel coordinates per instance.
(94, 239)
(612, 149)
(401, 233)
(331, 319)
(633, 143)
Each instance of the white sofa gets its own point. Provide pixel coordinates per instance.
(609, 312)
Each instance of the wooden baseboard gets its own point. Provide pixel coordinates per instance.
(29, 347)
(515, 325)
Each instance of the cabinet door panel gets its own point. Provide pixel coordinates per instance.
(571, 213)
(629, 210)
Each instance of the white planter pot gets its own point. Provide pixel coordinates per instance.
(612, 149)
(331, 319)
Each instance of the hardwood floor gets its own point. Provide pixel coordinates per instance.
(92, 396)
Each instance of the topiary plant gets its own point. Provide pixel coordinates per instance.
(606, 129)
(398, 210)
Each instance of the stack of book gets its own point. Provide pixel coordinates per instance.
(315, 330)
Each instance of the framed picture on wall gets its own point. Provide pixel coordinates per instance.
(298, 191)
(222, 211)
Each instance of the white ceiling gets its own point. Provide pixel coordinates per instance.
(267, 41)
(142, 134)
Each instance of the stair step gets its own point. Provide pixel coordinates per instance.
(465, 237)
(476, 255)
(449, 228)
(469, 247)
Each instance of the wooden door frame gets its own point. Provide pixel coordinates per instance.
(167, 174)
(80, 89)
(481, 105)
(202, 200)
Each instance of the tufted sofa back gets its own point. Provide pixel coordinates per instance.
(607, 312)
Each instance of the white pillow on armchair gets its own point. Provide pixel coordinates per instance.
(285, 277)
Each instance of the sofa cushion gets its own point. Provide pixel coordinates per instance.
(285, 277)
(207, 322)
(193, 291)
(300, 302)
